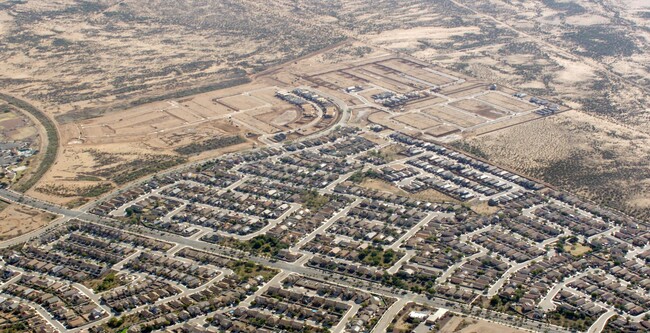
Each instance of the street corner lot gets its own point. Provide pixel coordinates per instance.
(470, 325)
(18, 220)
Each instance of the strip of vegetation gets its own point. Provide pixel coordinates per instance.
(52, 141)
(90, 191)
(211, 144)
(140, 167)
(108, 282)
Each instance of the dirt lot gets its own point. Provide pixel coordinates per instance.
(442, 130)
(424, 103)
(413, 69)
(242, 102)
(455, 117)
(391, 152)
(417, 120)
(469, 325)
(18, 220)
(16, 127)
(479, 108)
(510, 103)
(577, 250)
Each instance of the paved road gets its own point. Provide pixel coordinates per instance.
(387, 318)
(599, 324)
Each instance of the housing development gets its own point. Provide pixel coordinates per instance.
(313, 166)
(343, 228)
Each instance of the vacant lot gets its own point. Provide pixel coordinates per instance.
(426, 195)
(15, 126)
(242, 102)
(470, 325)
(510, 103)
(479, 108)
(417, 120)
(432, 76)
(442, 130)
(18, 220)
(279, 118)
(455, 117)
(579, 153)
(424, 103)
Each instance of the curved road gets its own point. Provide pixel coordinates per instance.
(52, 148)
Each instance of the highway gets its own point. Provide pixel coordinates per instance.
(318, 274)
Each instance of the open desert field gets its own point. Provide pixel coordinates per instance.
(18, 220)
(577, 152)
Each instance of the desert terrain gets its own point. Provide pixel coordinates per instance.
(18, 220)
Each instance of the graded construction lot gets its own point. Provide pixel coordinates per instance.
(424, 102)
(509, 103)
(242, 102)
(420, 71)
(417, 120)
(455, 116)
(442, 130)
(479, 108)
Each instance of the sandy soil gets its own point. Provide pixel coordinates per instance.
(17, 220)
(469, 325)
(580, 153)
(417, 120)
